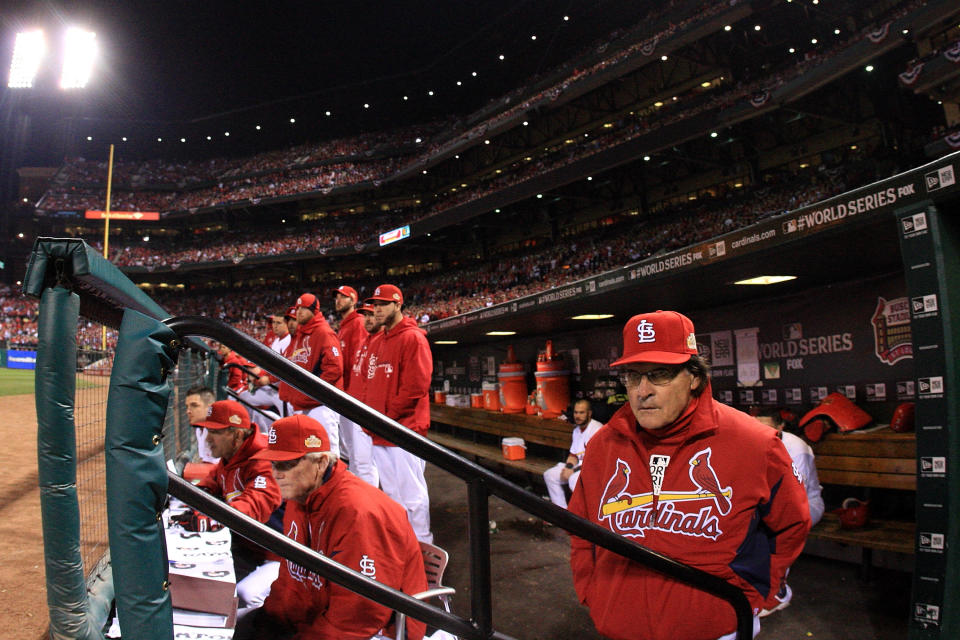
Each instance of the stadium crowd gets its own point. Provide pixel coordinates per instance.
(238, 185)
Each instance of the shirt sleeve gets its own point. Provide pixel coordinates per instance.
(808, 469)
(787, 517)
(261, 494)
(210, 483)
(329, 366)
(582, 552)
(414, 379)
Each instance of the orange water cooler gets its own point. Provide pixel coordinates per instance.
(491, 396)
(513, 384)
(553, 383)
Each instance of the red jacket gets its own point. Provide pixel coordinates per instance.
(398, 377)
(729, 502)
(246, 485)
(351, 336)
(315, 347)
(358, 372)
(357, 525)
(238, 377)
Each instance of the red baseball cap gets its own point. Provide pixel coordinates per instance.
(350, 292)
(293, 437)
(309, 301)
(662, 337)
(226, 413)
(291, 313)
(386, 293)
(365, 309)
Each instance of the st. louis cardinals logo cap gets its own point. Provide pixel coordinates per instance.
(293, 437)
(662, 337)
(226, 413)
(386, 293)
(309, 301)
(350, 292)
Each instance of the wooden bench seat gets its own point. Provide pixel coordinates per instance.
(530, 464)
(550, 432)
(885, 535)
(552, 436)
(875, 459)
(881, 459)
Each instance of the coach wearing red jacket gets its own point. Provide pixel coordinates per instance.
(398, 386)
(247, 485)
(316, 348)
(688, 477)
(342, 517)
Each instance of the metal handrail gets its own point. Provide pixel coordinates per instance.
(481, 484)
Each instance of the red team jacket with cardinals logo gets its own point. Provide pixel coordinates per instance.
(351, 336)
(719, 493)
(237, 379)
(398, 377)
(316, 348)
(246, 485)
(358, 371)
(358, 526)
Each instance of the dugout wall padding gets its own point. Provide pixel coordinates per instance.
(137, 476)
(73, 281)
(71, 616)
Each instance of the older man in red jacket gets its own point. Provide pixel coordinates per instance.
(335, 513)
(691, 478)
(316, 348)
(398, 386)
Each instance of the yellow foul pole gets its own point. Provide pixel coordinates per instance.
(106, 234)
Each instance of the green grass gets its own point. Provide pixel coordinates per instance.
(15, 382)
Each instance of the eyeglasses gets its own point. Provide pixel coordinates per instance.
(659, 376)
(285, 465)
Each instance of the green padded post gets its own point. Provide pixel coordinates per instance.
(137, 476)
(57, 466)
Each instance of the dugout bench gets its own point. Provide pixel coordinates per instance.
(476, 433)
(875, 459)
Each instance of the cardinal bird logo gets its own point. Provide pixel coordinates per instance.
(705, 478)
(616, 490)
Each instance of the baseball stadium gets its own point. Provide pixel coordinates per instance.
(368, 320)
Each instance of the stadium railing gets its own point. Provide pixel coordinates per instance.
(138, 481)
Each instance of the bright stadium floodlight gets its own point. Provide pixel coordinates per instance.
(80, 49)
(28, 51)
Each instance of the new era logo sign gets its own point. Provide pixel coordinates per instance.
(914, 223)
(933, 464)
(929, 386)
(923, 304)
(931, 541)
(929, 612)
(943, 177)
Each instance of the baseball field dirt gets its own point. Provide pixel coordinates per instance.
(22, 590)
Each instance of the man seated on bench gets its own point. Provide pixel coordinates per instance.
(567, 473)
(802, 456)
(342, 517)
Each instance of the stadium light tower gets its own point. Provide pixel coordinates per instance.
(79, 52)
(28, 51)
(30, 48)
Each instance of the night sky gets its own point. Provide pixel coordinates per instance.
(202, 67)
